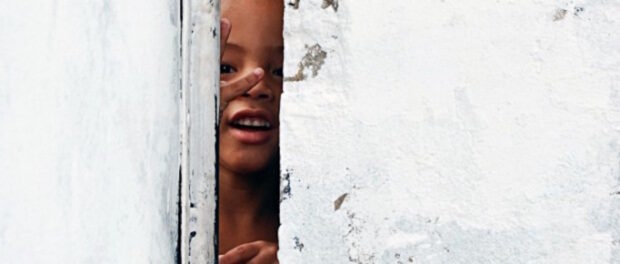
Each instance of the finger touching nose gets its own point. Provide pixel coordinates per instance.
(260, 91)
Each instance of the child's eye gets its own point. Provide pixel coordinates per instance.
(225, 69)
(278, 72)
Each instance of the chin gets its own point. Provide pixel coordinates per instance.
(248, 161)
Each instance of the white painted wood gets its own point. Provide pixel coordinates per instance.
(201, 88)
(89, 131)
(451, 132)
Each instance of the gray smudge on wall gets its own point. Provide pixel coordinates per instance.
(332, 3)
(313, 60)
(559, 14)
(339, 201)
(294, 4)
(298, 245)
(286, 191)
(578, 10)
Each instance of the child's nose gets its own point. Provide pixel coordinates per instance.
(260, 91)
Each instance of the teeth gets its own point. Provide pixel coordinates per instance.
(246, 122)
(252, 122)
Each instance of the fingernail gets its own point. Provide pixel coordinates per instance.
(258, 72)
(224, 23)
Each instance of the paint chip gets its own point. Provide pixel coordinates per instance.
(332, 3)
(294, 4)
(298, 245)
(339, 201)
(313, 60)
(559, 14)
(578, 10)
(286, 191)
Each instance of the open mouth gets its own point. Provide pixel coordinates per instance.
(251, 124)
(252, 127)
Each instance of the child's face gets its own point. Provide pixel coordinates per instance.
(246, 146)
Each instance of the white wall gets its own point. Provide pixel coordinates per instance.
(451, 132)
(426, 132)
(201, 79)
(89, 131)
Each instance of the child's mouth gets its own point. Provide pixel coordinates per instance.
(252, 124)
(251, 127)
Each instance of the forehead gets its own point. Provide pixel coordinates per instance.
(249, 7)
(255, 21)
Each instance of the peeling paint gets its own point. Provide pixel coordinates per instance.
(313, 60)
(294, 4)
(332, 3)
(286, 182)
(578, 10)
(298, 245)
(559, 14)
(338, 202)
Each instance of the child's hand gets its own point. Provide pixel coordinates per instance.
(231, 89)
(257, 252)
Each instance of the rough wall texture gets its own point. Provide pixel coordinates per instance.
(89, 131)
(201, 88)
(451, 132)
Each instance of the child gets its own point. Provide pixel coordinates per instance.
(251, 85)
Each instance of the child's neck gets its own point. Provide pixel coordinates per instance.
(248, 195)
(248, 207)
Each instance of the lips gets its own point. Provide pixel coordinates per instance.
(252, 126)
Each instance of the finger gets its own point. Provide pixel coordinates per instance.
(230, 90)
(225, 28)
(267, 255)
(240, 254)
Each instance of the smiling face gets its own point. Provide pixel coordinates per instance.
(249, 131)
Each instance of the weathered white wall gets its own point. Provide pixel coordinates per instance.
(201, 79)
(426, 132)
(89, 131)
(451, 132)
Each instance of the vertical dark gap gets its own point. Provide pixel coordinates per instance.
(217, 181)
(179, 193)
(279, 168)
(216, 110)
(179, 219)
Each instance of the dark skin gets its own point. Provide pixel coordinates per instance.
(251, 85)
